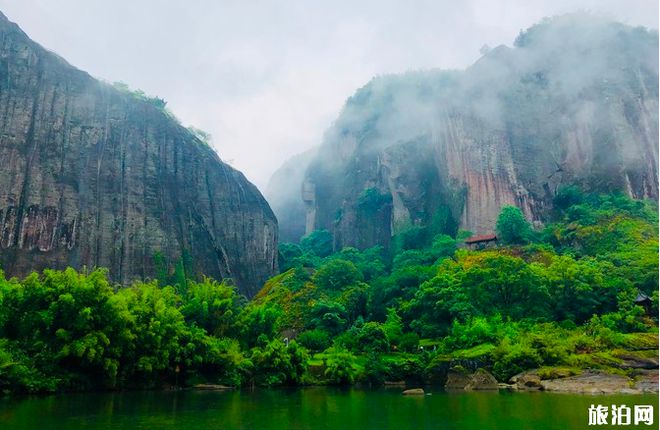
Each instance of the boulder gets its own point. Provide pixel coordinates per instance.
(482, 380)
(527, 381)
(631, 360)
(591, 382)
(457, 378)
(646, 381)
(460, 379)
(212, 387)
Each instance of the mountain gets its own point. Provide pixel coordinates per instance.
(574, 102)
(283, 194)
(94, 175)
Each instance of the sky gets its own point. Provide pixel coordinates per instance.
(266, 78)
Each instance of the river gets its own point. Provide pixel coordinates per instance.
(308, 408)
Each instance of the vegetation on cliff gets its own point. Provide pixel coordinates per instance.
(574, 101)
(561, 299)
(100, 175)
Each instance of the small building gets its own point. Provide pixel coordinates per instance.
(483, 241)
(644, 301)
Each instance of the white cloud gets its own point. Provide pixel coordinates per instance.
(266, 78)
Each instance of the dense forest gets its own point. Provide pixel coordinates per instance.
(575, 294)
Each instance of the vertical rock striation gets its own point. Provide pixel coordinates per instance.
(97, 177)
(283, 194)
(574, 102)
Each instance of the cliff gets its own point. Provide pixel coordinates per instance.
(575, 101)
(283, 194)
(98, 177)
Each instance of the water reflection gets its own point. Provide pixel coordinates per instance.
(309, 408)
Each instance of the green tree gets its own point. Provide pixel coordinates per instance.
(318, 242)
(279, 364)
(288, 253)
(256, 320)
(336, 275)
(329, 316)
(340, 366)
(512, 227)
(393, 326)
(372, 337)
(212, 306)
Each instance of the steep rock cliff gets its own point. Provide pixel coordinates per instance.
(283, 194)
(574, 102)
(97, 177)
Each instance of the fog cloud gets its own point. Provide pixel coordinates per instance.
(266, 78)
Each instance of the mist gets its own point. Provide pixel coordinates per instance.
(567, 101)
(562, 61)
(267, 79)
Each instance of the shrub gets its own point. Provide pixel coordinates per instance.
(336, 275)
(512, 358)
(340, 367)
(318, 242)
(372, 338)
(512, 227)
(314, 340)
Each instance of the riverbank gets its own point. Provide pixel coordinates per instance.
(589, 382)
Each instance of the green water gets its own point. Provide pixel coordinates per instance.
(309, 408)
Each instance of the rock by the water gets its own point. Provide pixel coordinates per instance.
(413, 392)
(592, 382)
(646, 381)
(503, 386)
(631, 360)
(212, 387)
(527, 381)
(482, 380)
(457, 378)
(589, 382)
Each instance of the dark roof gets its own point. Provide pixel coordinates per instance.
(482, 238)
(641, 297)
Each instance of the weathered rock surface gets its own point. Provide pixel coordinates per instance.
(212, 387)
(527, 381)
(635, 361)
(413, 392)
(591, 382)
(646, 381)
(283, 193)
(459, 379)
(97, 177)
(482, 380)
(575, 102)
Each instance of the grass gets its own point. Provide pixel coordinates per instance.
(485, 349)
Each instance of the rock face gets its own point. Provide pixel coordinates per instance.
(459, 379)
(574, 102)
(590, 381)
(283, 194)
(594, 382)
(527, 381)
(98, 177)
